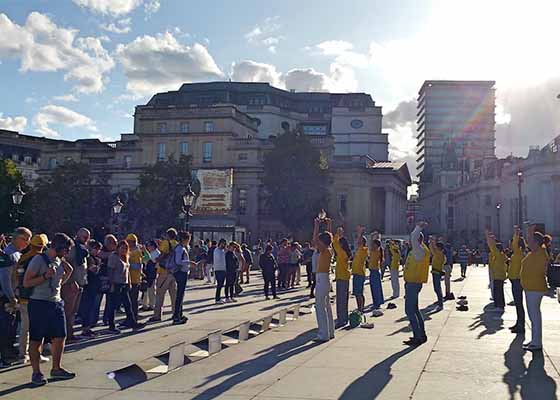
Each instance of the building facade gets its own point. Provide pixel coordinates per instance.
(211, 123)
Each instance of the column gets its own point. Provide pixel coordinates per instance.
(389, 207)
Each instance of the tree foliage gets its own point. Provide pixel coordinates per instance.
(69, 198)
(157, 202)
(10, 177)
(296, 178)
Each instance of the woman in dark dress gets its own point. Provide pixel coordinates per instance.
(268, 265)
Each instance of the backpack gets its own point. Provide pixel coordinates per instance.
(356, 318)
(23, 292)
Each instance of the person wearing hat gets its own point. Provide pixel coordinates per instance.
(36, 246)
(136, 256)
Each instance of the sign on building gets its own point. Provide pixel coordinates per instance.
(216, 187)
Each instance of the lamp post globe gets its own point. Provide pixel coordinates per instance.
(17, 198)
(188, 200)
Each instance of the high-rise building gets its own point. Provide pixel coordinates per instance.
(456, 133)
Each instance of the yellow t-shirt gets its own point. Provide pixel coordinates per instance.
(375, 259)
(324, 262)
(359, 261)
(164, 249)
(342, 268)
(395, 257)
(135, 265)
(533, 271)
(417, 271)
(516, 259)
(499, 264)
(438, 259)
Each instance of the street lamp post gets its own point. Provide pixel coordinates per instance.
(17, 198)
(117, 208)
(520, 198)
(498, 208)
(188, 199)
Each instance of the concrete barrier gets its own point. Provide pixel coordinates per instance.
(282, 317)
(214, 342)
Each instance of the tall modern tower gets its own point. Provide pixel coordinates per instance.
(456, 132)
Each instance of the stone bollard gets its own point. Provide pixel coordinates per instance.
(214, 342)
(244, 331)
(282, 317)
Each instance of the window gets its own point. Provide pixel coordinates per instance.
(342, 203)
(127, 161)
(184, 148)
(242, 209)
(52, 163)
(315, 129)
(15, 157)
(207, 152)
(162, 127)
(161, 152)
(27, 159)
(242, 156)
(208, 126)
(184, 127)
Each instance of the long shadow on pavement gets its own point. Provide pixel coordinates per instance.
(531, 382)
(267, 359)
(491, 321)
(371, 384)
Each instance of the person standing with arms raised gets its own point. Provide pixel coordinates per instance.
(518, 247)
(342, 276)
(322, 242)
(498, 266)
(374, 264)
(416, 272)
(438, 261)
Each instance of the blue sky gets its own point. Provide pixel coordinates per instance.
(76, 68)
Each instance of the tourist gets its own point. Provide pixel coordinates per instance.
(136, 270)
(71, 291)
(165, 281)
(36, 246)
(209, 267)
(283, 258)
(307, 256)
(8, 301)
(181, 273)
(295, 259)
(119, 275)
(395, 264)
(438, 261)
(386, 258)
(220, 270)
(374, 265)
(463, 259)
(416, 272)
(518, 246)
(533, 280)
(149, 298)
(498, 267)
(268, 266)
(448, 271)
(322, 242)
(248, 256)
(232, 270)
(359, 271)
(241, 266)
(46, 274)
(342, 276)
(110, 243)
(92, 291)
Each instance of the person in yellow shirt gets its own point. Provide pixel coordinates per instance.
(416, 272)
(165, 281)
(498, 268)
(518, 248)
(135, 257)
(533, 280)
(342, 276)
(438, 261)
(374, 265)
(394, 268)
(359, 271)
(322, 242)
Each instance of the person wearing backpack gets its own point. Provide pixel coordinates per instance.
(9, 258)
(36, 246)
(165, 281)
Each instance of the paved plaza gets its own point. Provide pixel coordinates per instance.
(469, 355)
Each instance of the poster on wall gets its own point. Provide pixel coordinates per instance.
(216, 186)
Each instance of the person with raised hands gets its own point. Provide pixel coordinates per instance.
(518, 247)
(498, 268)
(438, 261)
(343, 255)
(374, 264)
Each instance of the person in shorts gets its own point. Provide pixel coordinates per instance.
(46, 274)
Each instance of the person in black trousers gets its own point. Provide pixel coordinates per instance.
(268, 265)
(232, 266)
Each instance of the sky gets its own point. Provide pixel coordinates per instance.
(74, 69)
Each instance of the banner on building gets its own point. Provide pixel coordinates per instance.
(216, 187)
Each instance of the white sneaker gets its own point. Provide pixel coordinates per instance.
(24, 359)
(43, 359)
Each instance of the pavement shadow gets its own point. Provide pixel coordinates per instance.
(243, 371)
(17, 388)
(530, 382)
(287, 302)
(490, 321)
(426, 312)
(371, 384)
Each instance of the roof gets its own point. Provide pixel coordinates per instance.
(399, 166)
(487, 84)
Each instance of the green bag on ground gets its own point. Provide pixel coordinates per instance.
(356, 318)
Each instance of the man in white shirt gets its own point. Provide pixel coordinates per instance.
(219, 260)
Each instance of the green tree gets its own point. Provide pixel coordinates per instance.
(156, 203)
(69, 198)
(296, 178)
(10, 177)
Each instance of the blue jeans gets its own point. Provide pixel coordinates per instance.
(517, 291)
(181, 279)
(412, 290)
(376, 288)
(436, 278)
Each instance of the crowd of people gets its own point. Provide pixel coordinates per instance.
(48, 286)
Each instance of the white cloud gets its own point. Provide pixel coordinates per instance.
(109, 7)
(103, 138)
(159, 63)
(343, 53)
(119, 26)
(66, 97)
(251, 71)
(151, 7)
(13, 123)
(400, 124)
(58, 115)
(265, 34)
(43, 46)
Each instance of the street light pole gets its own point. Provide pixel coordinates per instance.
(188, 199)
(116, 208)
(520, 198)
(17, 198)
(498, 208)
